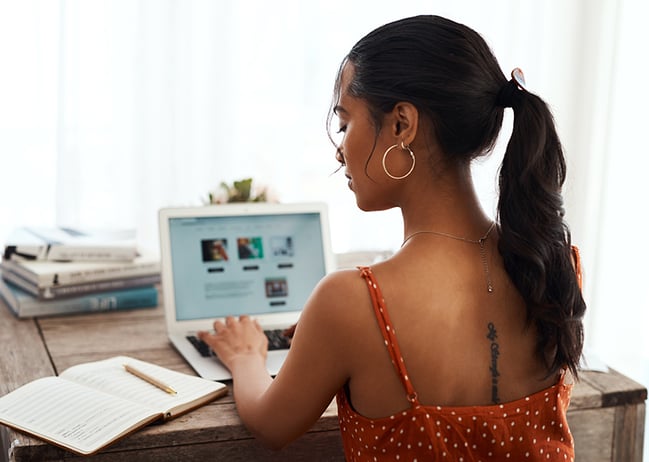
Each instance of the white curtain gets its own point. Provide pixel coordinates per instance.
(110, 110)
(113, 109)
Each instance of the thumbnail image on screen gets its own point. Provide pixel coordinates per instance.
(214, 249)
(276, 287)
(282, 246)
(250, 248)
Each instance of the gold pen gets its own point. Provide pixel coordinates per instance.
(151, 380)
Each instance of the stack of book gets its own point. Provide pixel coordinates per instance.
(62, 271)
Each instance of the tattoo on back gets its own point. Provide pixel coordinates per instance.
(495, 352)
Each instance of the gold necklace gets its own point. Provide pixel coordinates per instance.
(480, 242)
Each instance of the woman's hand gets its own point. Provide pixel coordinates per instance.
(235, 339)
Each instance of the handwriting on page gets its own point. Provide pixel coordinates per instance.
(44, 406)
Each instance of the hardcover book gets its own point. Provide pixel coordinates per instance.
(69, 244)
(24, 305)
(48, 274)
(76, 290)
(90, 406)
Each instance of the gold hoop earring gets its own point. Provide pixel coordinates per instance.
(412, 156)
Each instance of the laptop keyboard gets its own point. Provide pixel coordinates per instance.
(276, 341)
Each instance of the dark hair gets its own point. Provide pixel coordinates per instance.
(449, 73)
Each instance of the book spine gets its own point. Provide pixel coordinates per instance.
(79, 253)
(49, 293)
(99, 286)
(141, 297)
(108, 272)
(112, 270)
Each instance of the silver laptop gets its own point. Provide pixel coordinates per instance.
(259, 259)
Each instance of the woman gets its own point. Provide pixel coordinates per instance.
(461, 344)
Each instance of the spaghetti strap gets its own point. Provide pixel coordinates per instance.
(389, 335)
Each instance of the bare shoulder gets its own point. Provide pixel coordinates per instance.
(339, 313)
(340, 281)
(328, 330)
(338, 293)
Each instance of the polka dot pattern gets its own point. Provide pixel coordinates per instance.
(532, 428)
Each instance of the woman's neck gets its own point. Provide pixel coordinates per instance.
(446, 203)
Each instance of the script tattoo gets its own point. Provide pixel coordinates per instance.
(495, 352)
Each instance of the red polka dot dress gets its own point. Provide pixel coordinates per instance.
(533, 428)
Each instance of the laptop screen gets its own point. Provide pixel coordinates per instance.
(244, 264)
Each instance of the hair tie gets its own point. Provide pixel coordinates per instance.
(509, 92)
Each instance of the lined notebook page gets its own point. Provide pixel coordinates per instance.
(71, 414)
(110, 376)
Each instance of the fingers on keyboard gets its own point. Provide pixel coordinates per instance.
(276, 341)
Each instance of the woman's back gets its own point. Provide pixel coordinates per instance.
(461, 344)
(442, 402)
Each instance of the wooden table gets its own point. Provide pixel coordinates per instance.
(606, 414)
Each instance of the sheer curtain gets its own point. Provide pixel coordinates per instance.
(110, 110)
(116, 108)
(616, 217)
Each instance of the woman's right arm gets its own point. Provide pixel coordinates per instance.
(318, 365)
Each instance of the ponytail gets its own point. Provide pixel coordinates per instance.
(535, 241)
(450, 74)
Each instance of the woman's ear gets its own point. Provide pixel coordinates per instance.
(406, 121)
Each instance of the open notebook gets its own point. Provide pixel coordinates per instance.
(258, 259)
(90, 406)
